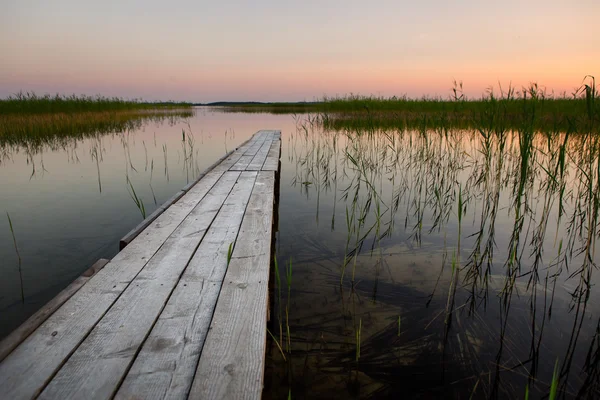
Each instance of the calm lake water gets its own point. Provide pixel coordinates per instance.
(420, 268)
(69, 206)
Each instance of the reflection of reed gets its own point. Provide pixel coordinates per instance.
(501, 183)
(190, 154)
(12, 232)
(58, 129)
(96, 154)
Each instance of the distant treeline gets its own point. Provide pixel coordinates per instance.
(257, 104)
(262, 107)
(30, 103)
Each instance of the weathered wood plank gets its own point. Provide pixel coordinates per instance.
(165, 366)
(28, 368)
(259, 159)
(242, 163)
(257, 140)
(232, 360)
(272, 161)
(260, 135)
(254, 148)
(132, 234)
(234, 158)
(144, 224)
(99, 364)
(17, 336)
(250, 152)
(69, 339)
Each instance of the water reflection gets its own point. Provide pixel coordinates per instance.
(71, 199)
(424, 263)
(451, 263)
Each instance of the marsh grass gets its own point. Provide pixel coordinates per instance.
(363, 113)
(32, 131)
(277, 343)
(515, 199)
(29, 120)
(554, 384)
(190, 153)
(137, 200)
(31, 103)
(283, 310)
(278, 288)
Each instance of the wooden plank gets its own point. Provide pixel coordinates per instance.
(249, 154)
(25, 371)
(260, 135)
(237, 154)
(248, 157)
(165, 366)
(259, 159)
(142, 225)
(187, 187)
(99, 364)
(233, 159)
(132, 234)
(17, 336)
(255, 147)
(139, 228)
(255, 143)
(242, 163)
(272, 161)
(232, 360)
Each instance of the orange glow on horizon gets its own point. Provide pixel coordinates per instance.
(287, 52)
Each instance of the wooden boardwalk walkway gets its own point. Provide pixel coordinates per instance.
(171, 315)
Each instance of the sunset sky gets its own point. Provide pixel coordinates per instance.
(267, 50)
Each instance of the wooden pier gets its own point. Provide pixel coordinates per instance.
(179, 313)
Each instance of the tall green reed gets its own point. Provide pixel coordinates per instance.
(137, 200)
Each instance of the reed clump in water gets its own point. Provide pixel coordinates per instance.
(518, 201)
(358, 112)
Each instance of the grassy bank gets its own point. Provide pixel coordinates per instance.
(29, 120)
(550, 113)
(510, 106)
(33, 130)
(30, 103)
